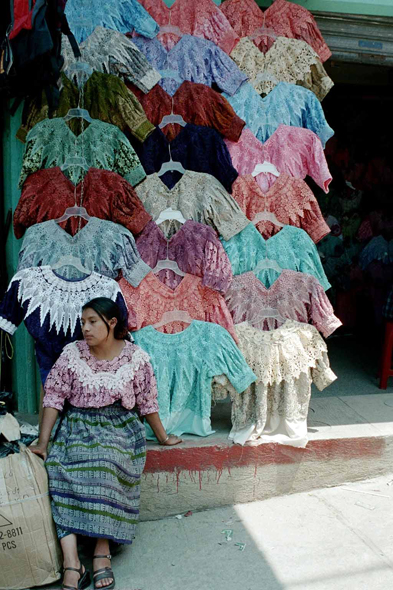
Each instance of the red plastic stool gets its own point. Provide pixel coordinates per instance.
(386, 364)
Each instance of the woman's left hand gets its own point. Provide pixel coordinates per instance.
(172, 441)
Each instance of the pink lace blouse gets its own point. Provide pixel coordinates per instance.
(287, 19)
(294, 151)
(196, 249)
(148, 302)
(86, 382)
(290, 199)
(294, 295)
(201, 18)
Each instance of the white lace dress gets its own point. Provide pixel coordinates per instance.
(286, 361)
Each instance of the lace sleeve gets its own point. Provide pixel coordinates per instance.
(223, 213)
(221, 162)
(133, 268)
(313, 222)
(217, 312)
(310, 261)
(216, 271)
(11, 311)
(222, 116)
(58, 383)
(134, 117)
(32, 160)
(321, 311)
(128, 209)
(314, 118)
(306, 29)
(322, 375)
(226, 73)
(145, 391)
(315, 162)
(229, 360)
(127, 163)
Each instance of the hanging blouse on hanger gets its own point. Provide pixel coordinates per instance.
(294, 151)
(47, 193)
(194, 59)
(287, 19)
(196, 249)
(198, 196)
(290, 199)
(104, 146)
(295, 295)
(51, 308)
(197, 104)
(184, 365)
(201, 19)
(151, 299)
(286, 104)
(286, 362)
(121, 15)
(288, 60)
(105, 96)
(292, 248)
(101, 246)
(201, 149)
(112, 52)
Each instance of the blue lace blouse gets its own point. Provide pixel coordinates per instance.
(184, 364)
(201, 149)
(291, 247)
(124, 16)
(286, 104)
(193, 59)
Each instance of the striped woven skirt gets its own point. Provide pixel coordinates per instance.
(94, 468)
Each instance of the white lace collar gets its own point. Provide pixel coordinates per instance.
(60, 298)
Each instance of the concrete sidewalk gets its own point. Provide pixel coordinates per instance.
(330, 539)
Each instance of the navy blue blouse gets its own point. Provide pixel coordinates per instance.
(198, 148)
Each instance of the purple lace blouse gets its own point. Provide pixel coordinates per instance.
(87, 382)
(196, 249)
(193, 59)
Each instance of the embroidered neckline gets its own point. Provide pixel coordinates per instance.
(163, 289)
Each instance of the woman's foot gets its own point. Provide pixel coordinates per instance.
(100, 563)
(71, 578)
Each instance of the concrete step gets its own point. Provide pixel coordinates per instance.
(351, 438)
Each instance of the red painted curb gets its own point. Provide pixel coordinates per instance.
(217, 458)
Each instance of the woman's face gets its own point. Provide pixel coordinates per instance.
(94, 330)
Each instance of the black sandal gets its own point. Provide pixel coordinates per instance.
(104, 572)
(84, 578)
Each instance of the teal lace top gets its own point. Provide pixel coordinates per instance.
(103, 145)
(291, 248)
(184, 364)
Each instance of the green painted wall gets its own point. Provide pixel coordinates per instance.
(24, 366)
(372, 7)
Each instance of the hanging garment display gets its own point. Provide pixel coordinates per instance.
(197, 196)
(105, 96)
(288, 60)
(201, 19)
(294, 151)
(120, 15)
(106, 195)
(291, 247)
(51, 141)
(289, 199)
(184, 365)
(112, 52)
(51, 308)
(295, 295)
(200, 149)
(194, 247)
(148, 302)
(193, 59)
(101, 246)
(286, 19)
(286, 362)
(197, 104)
(286, 104)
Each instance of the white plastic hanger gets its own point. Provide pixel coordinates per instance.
(265, 77)
(78, 113)
(170, 214)
(267, 216)
(80, 72)
(172, 118)
(171, 165)
(169, 28)
(168, 264)
(265, 166)
(69, 260)
(267, 264)
(75, 161)
(263, 31)
(174, 74)
(177, 315)
(74, 212)
(270, 312)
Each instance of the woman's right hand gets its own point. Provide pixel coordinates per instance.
(40, 450)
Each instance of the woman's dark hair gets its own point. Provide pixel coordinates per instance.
(108, 309)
